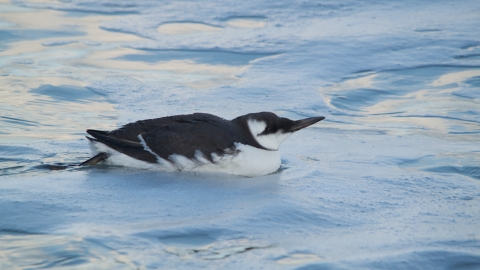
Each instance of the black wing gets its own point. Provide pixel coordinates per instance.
(181, 134)
(130, 131)
(186, 138)
(129, 148)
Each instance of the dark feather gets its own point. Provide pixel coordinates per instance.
(180, 134)
(130, 148)
(94, 160)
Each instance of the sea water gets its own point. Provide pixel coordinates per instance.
(389, 180)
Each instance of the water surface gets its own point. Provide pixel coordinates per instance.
(389, 180)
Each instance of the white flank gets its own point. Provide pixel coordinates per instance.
(269, 141)
(118, 159)
(247, 161)
(243, 160)
(162, 162)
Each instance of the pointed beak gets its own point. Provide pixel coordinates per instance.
(305, 123)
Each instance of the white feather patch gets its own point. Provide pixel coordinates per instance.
(162, 162)
(118, 159)
(270, 141)
(242, 160)
(246, 160)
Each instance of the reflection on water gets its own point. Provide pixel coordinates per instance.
(424, 100)
(299, 258)
(247, 22)
(181, 70)
(16, 160)
(183, 28)
(200, 246)
(463, 163)
(86, 52)
(456, 77)
(224, 59)
(50, 112)
(47, 57)
(39, 251)
(437, 101)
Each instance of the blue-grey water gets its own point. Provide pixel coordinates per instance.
(389, 180)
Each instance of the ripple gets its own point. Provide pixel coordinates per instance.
(463, 163)
(49, 111)
(66, 93)
(42, 251)
(299, 258)
(429, 259)
(247, 22)
(23, 62)
(183, 28)
(206, 248)
(427, 30)
(202, 56)
(421, 99)
(18, 121)
(203, 246)
(470, 171)
(58, 43)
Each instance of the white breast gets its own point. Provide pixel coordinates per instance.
(248, 161)
(245, 160)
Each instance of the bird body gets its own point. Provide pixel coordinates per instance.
(247, 145)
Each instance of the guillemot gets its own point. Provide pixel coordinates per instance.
(247, 145)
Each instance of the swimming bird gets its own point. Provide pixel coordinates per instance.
(247, 145)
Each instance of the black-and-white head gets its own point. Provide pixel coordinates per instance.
(270, 131)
